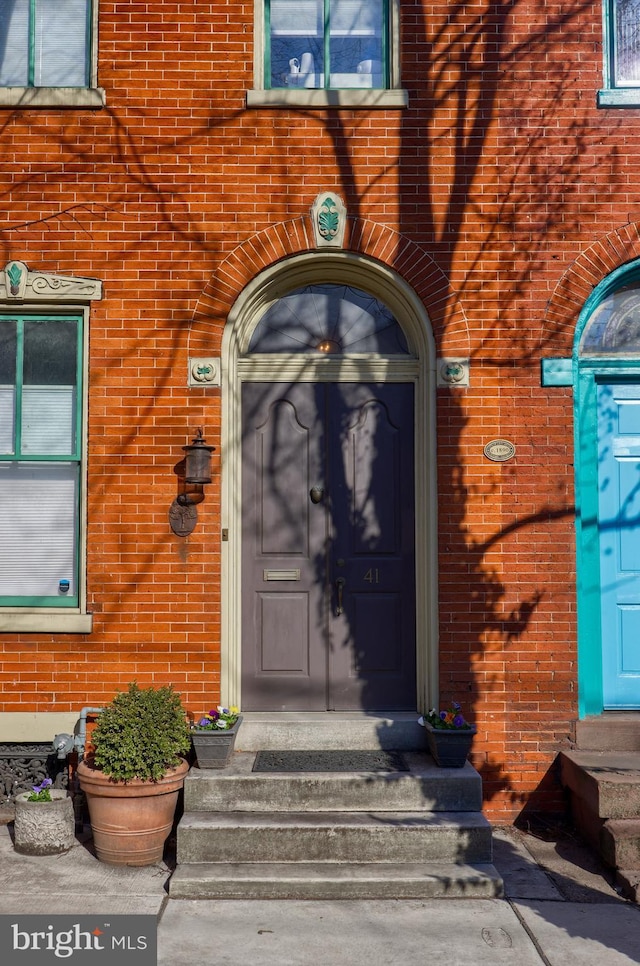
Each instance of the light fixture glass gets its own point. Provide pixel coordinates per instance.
(198, 460)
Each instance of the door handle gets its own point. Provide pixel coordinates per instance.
(340, 582)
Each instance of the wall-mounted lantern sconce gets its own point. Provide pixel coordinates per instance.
(197, 466)
(193, 472)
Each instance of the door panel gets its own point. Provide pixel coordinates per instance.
(372, 646)
(283, 659)
(619, 531)
(284, 457)
(328, 577)
(284, 619)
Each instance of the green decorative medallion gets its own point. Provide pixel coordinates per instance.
(329, 219)
(14, 274)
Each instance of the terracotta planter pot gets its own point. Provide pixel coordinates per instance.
(131, 820)
(449, 749)
(213, 748)
(44, 828)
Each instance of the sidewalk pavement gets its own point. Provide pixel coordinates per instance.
(559, 910)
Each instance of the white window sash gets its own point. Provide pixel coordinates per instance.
(38, 529)
(7, 419)
(61, 43)
(48, 420)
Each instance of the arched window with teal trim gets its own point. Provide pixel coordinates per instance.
(610, 321)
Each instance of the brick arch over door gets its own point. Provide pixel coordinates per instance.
(279, 241)
(417, 370)
(576, 285)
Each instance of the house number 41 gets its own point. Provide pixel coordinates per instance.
(372, 576)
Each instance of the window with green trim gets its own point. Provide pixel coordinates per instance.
(40, 458)
(45, 43)
(625, 39)
(621, 53)
(327, 44)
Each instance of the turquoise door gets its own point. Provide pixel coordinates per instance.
(619, 541)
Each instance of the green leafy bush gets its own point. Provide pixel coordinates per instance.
(141, 734)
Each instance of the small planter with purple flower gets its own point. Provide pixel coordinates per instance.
(449, 736)
(44, 822)
(214, 735)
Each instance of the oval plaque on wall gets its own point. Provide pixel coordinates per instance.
(499, 450)
(182, 519)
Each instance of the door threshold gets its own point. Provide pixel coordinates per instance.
(326, 730)
(609, 731)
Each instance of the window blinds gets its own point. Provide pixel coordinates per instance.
(44, 43)
(38, 528)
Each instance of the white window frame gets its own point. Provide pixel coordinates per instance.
(71, 97)
(392, 97)
(40, 293)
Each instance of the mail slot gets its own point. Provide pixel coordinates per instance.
(281, 575)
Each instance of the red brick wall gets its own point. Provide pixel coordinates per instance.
(501, 193)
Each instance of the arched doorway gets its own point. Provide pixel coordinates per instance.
(329, 589)
(607, 399)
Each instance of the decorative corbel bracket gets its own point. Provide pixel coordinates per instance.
(18, 284)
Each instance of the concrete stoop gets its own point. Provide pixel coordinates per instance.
(415, 834)
(604, 790)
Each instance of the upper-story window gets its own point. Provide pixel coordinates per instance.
(327, 53)
(44, 43)
(327, 43)
(47, 53)
(621, 53)
(626, 43)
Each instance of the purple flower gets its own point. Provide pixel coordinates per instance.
(214, 714)
(204, 722)
(44, 784)
(458, 721)
(443, 716)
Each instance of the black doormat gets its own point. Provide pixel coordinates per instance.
(330, 761)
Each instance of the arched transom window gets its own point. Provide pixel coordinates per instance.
(614, 326)
(329, 319)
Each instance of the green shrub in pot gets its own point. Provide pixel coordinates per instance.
(141, 734)
(133, 777)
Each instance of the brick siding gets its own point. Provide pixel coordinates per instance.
(501, 194)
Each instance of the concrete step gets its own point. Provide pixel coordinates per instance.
(414, 834)
(330, 880)
(612, 731)
(302, 731)
(620, 843)
(425, 787)
(608, 783)
(628, 883)
(350, 837)
(604, 791)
